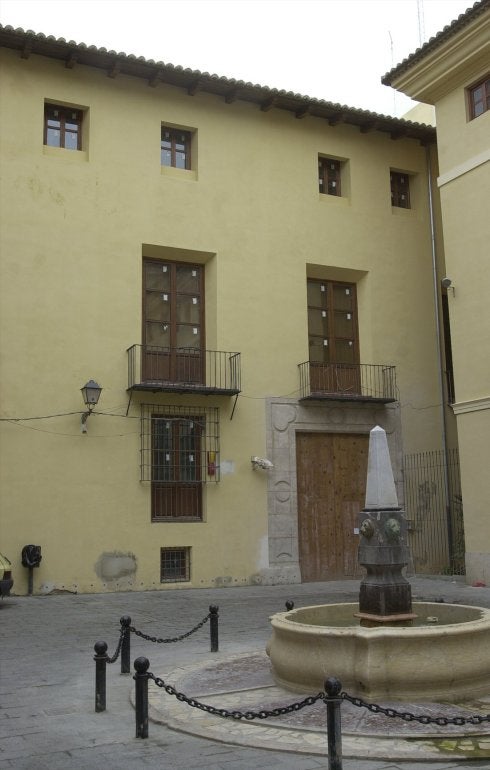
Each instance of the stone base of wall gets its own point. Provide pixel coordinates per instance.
(275, 576)
(478, 568)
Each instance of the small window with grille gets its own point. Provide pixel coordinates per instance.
(400, 189)
(175, 148)
(329, 176)
(175, 565)
(179, 454)
(63, 127)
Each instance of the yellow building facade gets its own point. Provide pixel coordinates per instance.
(249, 276)
(452, 72)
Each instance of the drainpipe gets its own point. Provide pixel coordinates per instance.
(437, 310)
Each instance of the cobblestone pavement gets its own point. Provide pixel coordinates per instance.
(47, 716)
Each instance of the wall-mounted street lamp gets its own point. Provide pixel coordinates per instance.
(91, 394)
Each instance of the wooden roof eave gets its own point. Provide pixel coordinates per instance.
(193, 81)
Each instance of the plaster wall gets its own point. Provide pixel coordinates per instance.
(467, 233)
(460, 140)
(464, 182)
(442, 76)
(464, 152)
(75, 226)
(421, 113)
(473, 433)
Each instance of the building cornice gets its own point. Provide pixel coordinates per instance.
(475, 405)
(464, 168)
(72, 55)
(457, 60)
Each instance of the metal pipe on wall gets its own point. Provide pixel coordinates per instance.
(437, 311)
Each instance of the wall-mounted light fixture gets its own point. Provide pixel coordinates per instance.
(261, 462)
(91, 394)
(447, 283)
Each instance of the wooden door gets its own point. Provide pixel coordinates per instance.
(331, 485)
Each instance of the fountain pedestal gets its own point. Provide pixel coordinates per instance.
(385, 596)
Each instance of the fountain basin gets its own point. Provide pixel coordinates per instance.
(445, 654)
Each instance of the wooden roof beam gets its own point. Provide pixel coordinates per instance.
(302, 112)
(231, 96)
(193, 88)
(371, 125)
(115, 70)
(27, 49)
(155, 78)
(71, 61)
(398, 133)
(268, 104)
(336, 118)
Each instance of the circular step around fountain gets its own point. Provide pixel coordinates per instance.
(244, 682)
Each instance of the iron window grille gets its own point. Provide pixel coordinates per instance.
(175, 148)
(179, 443)
(175, 565)
(329, 176)
(179, 454)
(479, 97)
(400, 190)
(63, 127)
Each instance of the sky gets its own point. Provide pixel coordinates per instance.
(335, 50)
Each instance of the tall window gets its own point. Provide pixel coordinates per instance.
(175, 148)
(479, 98)
(332, 322)
(176, 467)
(400, 190)
(62, 127)
(173, 333)
(329, 176)
(179, 454)
(332, 337)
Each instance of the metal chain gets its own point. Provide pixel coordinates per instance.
(175, 639)
(118, 648)
(424, 719)
(249, 715)
(407, 716)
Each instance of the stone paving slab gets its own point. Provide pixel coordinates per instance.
(47, 717)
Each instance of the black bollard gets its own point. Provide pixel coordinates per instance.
(289, 605)
(100, 658)
(213, 627)
(333, 688)
(141, 666)
(125, 622)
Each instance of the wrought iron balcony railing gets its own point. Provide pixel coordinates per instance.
(353, 382)
(183, 370)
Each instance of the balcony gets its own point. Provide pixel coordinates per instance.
(347, 382)
(183, 370)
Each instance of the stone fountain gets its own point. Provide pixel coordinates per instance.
(386, 646)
